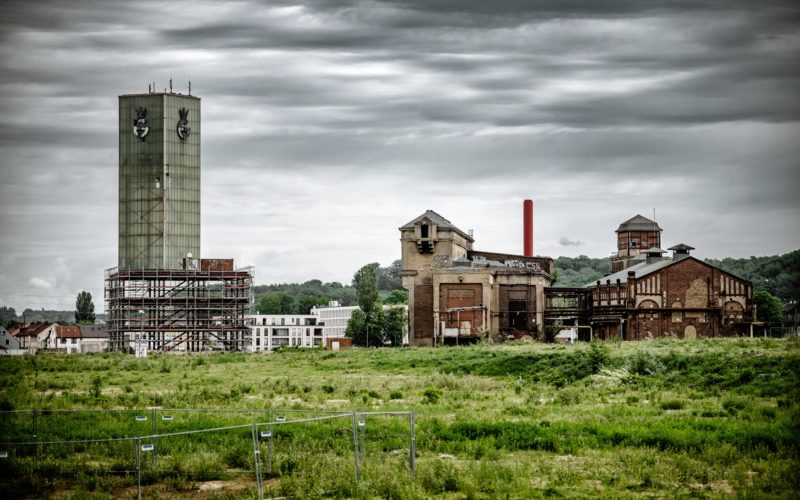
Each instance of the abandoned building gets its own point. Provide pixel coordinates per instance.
(458, 294)
(162, 295)
(654, 296)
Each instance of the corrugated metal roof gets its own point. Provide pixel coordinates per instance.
(680, 246)
(641, 269)
(638, 223)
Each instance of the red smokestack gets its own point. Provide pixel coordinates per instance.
(527, 227)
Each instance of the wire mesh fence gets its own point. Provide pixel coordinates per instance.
(134, 451)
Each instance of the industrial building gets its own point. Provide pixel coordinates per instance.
(651, 296)
(458, 294)
(162, 294)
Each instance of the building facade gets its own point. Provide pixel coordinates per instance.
(652, 296)
(333, 318)
(159, 180)
(271, 331)
(458, 294)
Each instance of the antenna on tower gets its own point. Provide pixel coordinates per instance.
(149, 89)
(190, 87)
(170, 85)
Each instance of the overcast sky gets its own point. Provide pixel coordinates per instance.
(328, 125)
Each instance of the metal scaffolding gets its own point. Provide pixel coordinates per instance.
(178, 309)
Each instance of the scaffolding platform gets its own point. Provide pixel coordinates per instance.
(178, 309)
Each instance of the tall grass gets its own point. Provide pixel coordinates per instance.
(665, 418)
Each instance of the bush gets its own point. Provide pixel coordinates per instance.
(598, 356)
(431, 395)
(644, 363)
(672, 404)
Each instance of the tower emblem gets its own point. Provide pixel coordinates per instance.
(140, 127)
(183, 124)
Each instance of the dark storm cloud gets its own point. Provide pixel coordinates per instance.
(328, 114)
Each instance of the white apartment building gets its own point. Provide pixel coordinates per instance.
(269, 331)
(334, 318)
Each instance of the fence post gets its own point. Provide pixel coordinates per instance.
(35, 434)
(355, 443)
(257, 460)
(155, 432)
(269, 447)
(412, 455)
(363, 442)
(138, 468)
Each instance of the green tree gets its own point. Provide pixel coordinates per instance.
(768, 308)
(394, 324)
(397, 297)
(366, 284)
(84, 309)
(276, 303)
(306, 302)
(359, 329)
(8, 316)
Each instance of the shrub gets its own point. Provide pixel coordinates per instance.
(396, 395)
(644, 363)
(431, 395)
(598, 356)
(672, 404)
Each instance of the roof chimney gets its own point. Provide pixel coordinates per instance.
(680, 251)
(527, 228)
(654, 255)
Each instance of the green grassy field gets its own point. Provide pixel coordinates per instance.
(706, 418)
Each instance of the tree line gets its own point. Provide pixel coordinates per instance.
(779, 275)
(299, 298)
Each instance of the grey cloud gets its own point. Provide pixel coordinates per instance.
(566, 242)
(597, 109)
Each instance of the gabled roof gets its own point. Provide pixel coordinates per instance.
(680, 246)
(638, 223)
(33, 329)
(94, 332)
(68, 332)
(643, 269)
(436, 219)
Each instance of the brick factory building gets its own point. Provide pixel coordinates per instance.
(458, 294)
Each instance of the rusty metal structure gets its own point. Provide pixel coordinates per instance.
(178, 309)
(566, 308)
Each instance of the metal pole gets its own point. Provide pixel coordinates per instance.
(269, 448)
(155, 432)
(355, 443)
(412, 455)
(35, 433)
(363, 433)
(257, 461)
(138, 469)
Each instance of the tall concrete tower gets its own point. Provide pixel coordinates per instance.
(159, 180)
